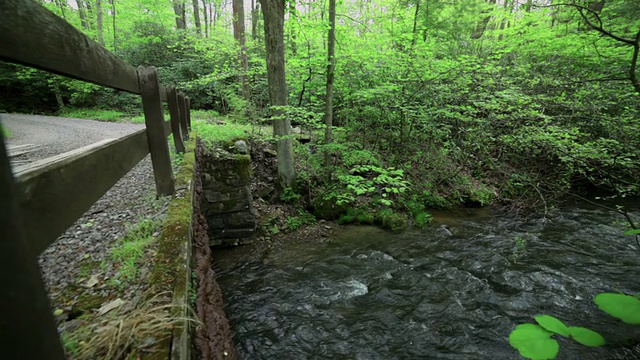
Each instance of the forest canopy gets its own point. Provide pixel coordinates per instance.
(447, 102)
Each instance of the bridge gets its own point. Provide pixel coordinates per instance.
(42, 199)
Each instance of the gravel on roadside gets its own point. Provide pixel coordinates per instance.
(83, 250)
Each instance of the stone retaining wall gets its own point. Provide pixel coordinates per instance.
(227, 201)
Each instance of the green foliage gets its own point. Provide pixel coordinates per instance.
(536, 342)
(94, 114)
(5, 132)
(130, 250)
(212, 133)
(620, 306)
(289, 195)
(520, 247)
(303, 218)
(422, 219)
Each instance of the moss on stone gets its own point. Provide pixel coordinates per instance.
(176, 229)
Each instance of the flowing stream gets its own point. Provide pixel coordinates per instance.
(433, 294)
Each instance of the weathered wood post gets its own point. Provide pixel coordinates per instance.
(183, 113)
(188, 106)
(28, 329)
(154, 121)
(174, 112)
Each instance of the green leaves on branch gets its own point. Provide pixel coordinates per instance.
(536, 342)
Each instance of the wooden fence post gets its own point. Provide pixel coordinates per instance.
(174, 112)
(188, 106)
(28, 330)
(154, 121)
(183, 113)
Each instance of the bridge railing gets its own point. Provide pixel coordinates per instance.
(39, 202)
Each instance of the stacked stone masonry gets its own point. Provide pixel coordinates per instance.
(227, 201)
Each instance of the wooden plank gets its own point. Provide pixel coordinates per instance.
(154, 120)
(58, 190)
(174, 112)
(183, 113)
(188, 106)
(32, 35)
(26, 312)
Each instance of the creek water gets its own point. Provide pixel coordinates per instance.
(432, 294)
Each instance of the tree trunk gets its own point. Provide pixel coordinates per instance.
(273, 13)
(196, 17)
(254, 20)
(206, 18)
(331, 64)
(82, 14)
(178, 9)
(293, 38)
(99, 21)
(239, 35)
(115, 33)
(415, 23)
(89, 14)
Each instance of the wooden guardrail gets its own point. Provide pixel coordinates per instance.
(40, 202)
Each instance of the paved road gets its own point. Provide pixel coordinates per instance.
(55, 135)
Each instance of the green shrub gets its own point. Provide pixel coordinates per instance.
(422, 219)
(303, 218)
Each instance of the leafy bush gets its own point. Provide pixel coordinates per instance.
(303, 218)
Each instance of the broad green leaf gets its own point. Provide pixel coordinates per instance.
(632, 232)
(586, 336)
(534, 342)
(552, 324)
(623, 307)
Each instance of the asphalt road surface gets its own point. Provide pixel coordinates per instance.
(38, 137)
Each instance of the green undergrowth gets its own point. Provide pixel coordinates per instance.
(5, 132)
(94, 114)
(128, 252)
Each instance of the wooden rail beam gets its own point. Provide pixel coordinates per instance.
(34, 36)
(174, 112)
(188, 106)
(27, 327)
(154, 120)
(56, 191)
(183, 113)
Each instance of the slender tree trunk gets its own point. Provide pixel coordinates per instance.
(82, 14)
(273, 12)
(89, 14)
(254, 20)
(331, 64)
(115, 32)
(292, 34)
(178, 9)
(239, 34)
(214, 15)
(99, 21)
(196, 17)
(415, 24)
(206, 18)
